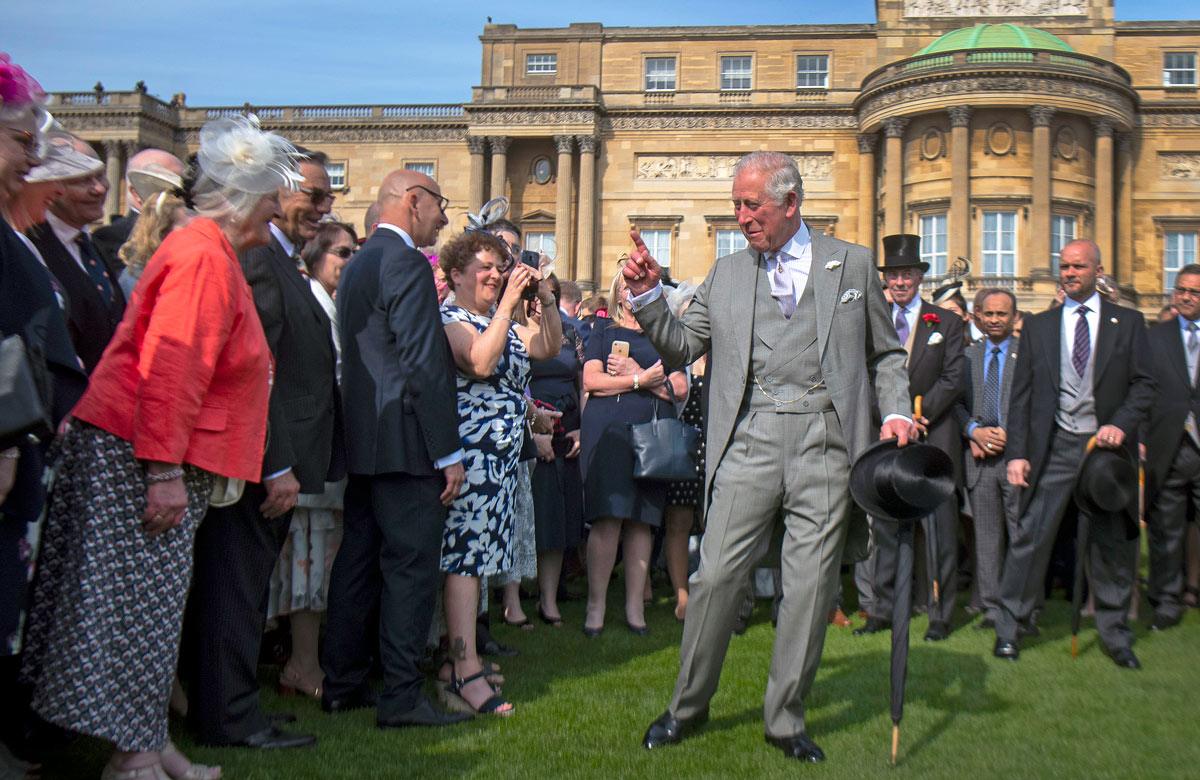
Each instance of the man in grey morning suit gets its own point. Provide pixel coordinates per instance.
(797, 329)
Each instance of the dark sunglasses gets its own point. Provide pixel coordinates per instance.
(318, 196)
(343, 252)
(442, 200)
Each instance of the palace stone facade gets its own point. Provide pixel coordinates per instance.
(995, 143)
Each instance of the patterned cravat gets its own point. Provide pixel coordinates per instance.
(1083, 342)
(94, 266)
(902, 326)
(991, 390)
(783, 287)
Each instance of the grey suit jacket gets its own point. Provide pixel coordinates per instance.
(972, 399)
(857, 341)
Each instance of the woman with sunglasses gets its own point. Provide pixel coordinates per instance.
(300, 582)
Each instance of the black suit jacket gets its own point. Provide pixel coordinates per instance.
(937, 373)
(1123, 386)
(91, 320)
(398, 376)
(1176, 397)
(969, 405)
(110, 238)
(304, 416)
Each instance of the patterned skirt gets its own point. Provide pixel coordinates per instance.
(524, 536)
(301, 577)
(103, 635)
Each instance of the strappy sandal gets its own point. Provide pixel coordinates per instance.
(290, 685)
(149, 772)
(494, 677)
(491, 706)
(194, 771)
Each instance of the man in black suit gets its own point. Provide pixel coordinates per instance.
(1083, 373)
(95, 303)
(1173, 446)
(112, 236)
(933, 338)
(237, 546)
(404, 452)
(982, 416)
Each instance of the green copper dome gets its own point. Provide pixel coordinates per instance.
(995, 36)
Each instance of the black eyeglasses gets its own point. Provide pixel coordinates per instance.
(318, 196)
(1192, 291)
(442, 200)
(343, 252)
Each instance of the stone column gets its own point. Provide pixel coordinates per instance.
(1104, 190)
(499, 166)
(893, 160)
(1038, 241)
(586, 262)
(562, 211)
(867, 197)
(960, 183)
(130, 148)
(477, 145)
(1122, 265)
(115, 174)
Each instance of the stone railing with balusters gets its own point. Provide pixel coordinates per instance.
(1056, 61)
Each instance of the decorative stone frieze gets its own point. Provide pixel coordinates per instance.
(1006, 8)
(1179, 165)
(813, 167)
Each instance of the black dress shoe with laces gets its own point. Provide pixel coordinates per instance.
(938, 631)
(1007, 650)
(1124, 658)
(1163, 622)
(361, 699)
(669, 730)
(799, 747)
(424, 714)
(873, 626)
(274, 738)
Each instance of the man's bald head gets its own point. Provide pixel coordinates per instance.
(412, 201)
(149, 160)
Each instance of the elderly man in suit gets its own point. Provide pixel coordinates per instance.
(1083, 373)
(95, 303)
(405, 459)
(933, 338)
(237, 546)
(1173, 446)
(798, 335)
(112, 236)
(982, 418)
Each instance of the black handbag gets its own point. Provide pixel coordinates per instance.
(665, 450)
(22, 413)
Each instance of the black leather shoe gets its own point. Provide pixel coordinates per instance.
(361, 699)
(280, 718)
(938, 631)
(494, 648)
(592, 633)
(272, 738)
(1007, 650)
(1163, 622)
(424, 714)
(637, 630)
(799, 747)
(1124, 658)
(873, 626)
(669, 730)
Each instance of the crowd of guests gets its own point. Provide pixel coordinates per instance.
(258, 418)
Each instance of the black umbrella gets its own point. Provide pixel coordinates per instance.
(901, 614)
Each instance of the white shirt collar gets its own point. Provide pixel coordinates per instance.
(1093, 304)
(404, 235)
(799, 245)
(66, 233)
(911, 309)
(1184, 322)
(283, 240)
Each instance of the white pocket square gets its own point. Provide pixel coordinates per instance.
(936, 338)
(832, 264)
(851, 294)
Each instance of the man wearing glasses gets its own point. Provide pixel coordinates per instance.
(1173, 447)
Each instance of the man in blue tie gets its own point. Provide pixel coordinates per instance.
(1093, 381)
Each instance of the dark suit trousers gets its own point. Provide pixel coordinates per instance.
(236, 551)
(391, 547)
(943, 523)
(1111, 558)
(995, 505)
(1167, 524)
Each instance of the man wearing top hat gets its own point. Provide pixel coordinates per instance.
(1082, 374)
(798, 333)
(1173, 446)
(933, 338)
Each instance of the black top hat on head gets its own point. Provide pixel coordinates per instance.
(902, 251)
(1107, 483)
(901, 483)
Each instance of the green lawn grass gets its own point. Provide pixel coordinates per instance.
(582, 706)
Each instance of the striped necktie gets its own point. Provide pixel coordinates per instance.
(1083, 341)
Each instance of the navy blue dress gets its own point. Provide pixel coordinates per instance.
(558, 484)
(609, 487)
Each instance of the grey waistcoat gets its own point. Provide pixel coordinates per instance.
(1076, 411)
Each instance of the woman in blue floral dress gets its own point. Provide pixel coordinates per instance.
(492, 354)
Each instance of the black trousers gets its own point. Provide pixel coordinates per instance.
(943, 524)
(236, 551)
(1167, 522)
(391, 547)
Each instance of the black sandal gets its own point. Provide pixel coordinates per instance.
(489, 707)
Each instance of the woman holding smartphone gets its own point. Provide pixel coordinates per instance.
(626, 382)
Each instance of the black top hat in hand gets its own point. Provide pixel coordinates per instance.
(902, 251)
(1107, 483)
(901, 483)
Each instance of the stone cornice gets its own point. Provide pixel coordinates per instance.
(506, 33)
(741, 118)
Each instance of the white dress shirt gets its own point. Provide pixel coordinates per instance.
(398, 230)
(796, 258)
(67, 235)
(283, 240)
(1069, 318)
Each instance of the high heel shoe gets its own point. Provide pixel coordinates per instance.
(592, 633)
(638, 630)
(491, 705)
(289, 685)
(557, 622)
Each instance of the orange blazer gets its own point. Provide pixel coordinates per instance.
(187, 376)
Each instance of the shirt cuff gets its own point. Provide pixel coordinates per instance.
(971, 426)
(277, 474)
(449, 460)
(645, 299)
(891, 417)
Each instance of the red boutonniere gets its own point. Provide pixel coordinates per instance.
(930, 319)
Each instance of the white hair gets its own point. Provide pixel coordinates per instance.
(784, 175)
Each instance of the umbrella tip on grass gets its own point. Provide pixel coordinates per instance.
(895, 742)
(1074, 646)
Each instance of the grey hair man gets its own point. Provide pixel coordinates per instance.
(112, 236)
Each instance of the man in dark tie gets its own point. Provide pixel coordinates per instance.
(933, 339)
(95, 303)
(982, 416)
(1173, 446)
(237, 546)
(112, 236)
(1083, 374)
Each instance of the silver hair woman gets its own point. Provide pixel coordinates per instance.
(179, 396)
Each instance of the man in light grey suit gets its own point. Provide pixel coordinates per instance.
(982, 415)
(797, 328)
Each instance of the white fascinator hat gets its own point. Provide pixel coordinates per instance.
(239, 163)
(60, 160)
